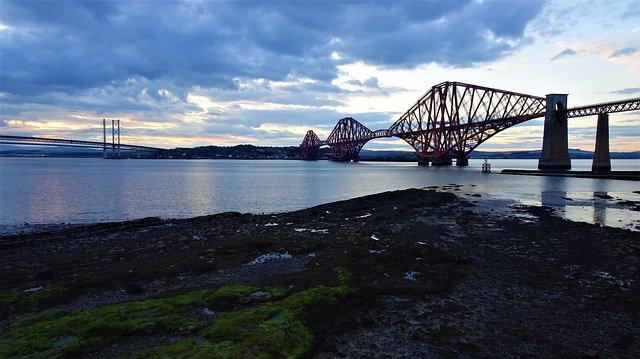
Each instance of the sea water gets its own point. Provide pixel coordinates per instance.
(45, 191)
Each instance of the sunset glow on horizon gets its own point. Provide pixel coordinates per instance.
(185, 74)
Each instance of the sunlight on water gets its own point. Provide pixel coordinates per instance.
(50, 191)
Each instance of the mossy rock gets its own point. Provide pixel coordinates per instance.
(260, 328)
(10, 297)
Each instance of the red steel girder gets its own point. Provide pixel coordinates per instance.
(453, 118)
(310, 145)
(347, 139)
(605, 107)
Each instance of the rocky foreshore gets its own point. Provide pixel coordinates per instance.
(434, 272)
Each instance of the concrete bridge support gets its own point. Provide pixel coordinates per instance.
(555, 143)
(601, 158)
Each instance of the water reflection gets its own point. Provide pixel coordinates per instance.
(94, 190)
(599, 210)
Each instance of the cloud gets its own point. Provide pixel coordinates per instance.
(627, 91)
(624, 52)
(632, 11)
(565, 53)
(70, 46)
(248, 69)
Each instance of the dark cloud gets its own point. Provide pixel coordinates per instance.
(71, 46)
(624, 51)
(565, 53)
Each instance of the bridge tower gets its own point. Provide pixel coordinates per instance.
(310, 146)
(601, 156)
(555, 141)
(115, 132)
(104, 138)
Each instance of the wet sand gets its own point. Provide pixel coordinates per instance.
(432, 274)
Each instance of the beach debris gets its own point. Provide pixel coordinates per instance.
(410, 275)
(33, 290)
(270, 224)
(270, 256)
(207, 311)
(373, 236)
(376, 251)
(260, 295)
(603, 274)
(364, 215)
(312, 230)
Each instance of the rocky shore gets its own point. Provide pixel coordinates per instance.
(436, 272)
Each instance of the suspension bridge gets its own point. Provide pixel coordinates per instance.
(106, 138)
(454, 118)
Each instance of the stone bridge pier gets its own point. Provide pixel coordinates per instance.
(601, 155)
(555, 143)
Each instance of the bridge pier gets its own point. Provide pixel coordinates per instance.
(601, 157)
(462, 161)
(444, 160)
(555, 143)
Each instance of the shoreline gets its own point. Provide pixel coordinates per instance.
(612, 175)
(414, 273)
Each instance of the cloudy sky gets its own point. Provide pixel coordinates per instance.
(228, 72)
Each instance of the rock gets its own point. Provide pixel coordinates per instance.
(591, 353)
(44, 273)
(260, 295)
(133, 288)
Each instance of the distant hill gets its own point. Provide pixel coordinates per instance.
(290, 152)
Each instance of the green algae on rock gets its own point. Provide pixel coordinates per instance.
(269, 328)
(274, 329)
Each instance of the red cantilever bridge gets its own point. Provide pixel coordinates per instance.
(454, 118)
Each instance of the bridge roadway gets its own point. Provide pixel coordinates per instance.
(43, 141)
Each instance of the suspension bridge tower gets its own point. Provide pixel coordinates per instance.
(115, 133)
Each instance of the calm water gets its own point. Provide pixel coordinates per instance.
(51, 191)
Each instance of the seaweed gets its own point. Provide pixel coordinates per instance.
(264, 326)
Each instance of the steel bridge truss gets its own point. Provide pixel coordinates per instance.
(606, 107)
(449, 121)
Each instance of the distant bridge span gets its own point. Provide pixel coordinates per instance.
(44, 141)
(115, 146)
(451, 120)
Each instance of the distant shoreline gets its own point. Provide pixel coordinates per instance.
(290, 152)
